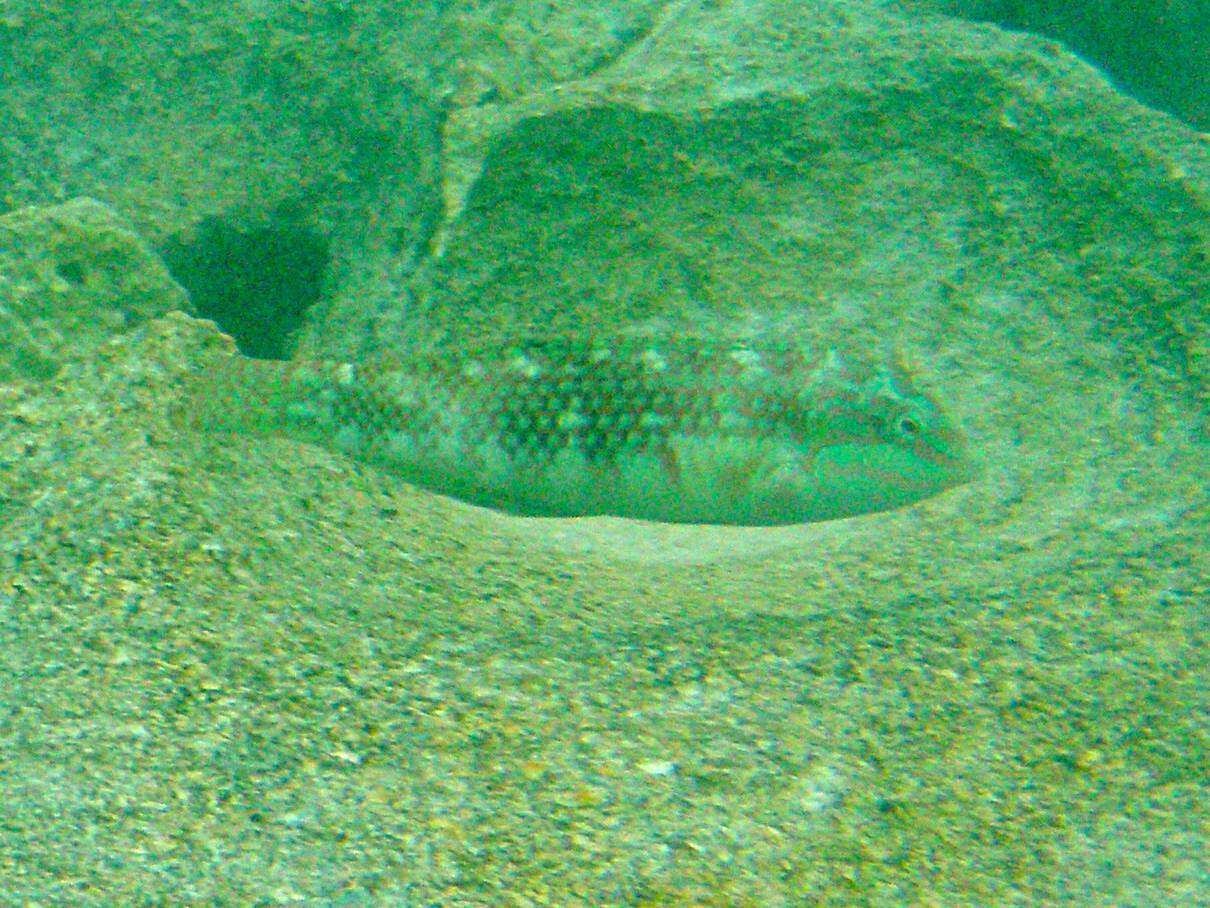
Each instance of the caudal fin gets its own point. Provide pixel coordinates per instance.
(235, 394)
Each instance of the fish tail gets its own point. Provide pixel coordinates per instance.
(236, 394)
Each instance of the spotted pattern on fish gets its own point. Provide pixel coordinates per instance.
(677, 429)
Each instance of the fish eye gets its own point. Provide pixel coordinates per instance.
(909, 426)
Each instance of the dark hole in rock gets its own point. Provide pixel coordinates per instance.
(257, 283)
(1155, 51)
(72, 272)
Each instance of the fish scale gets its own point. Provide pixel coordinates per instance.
(677, 429)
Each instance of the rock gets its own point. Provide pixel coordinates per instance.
(860, 174)
(71, 277)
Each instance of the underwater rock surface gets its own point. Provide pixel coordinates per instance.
(72, 276)
(241, 669)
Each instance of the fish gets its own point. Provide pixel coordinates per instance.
(673, 429)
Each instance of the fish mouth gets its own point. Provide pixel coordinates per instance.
(959, 464)
(949, 451)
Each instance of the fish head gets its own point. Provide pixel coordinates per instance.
(912, 421)
(888, 444)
